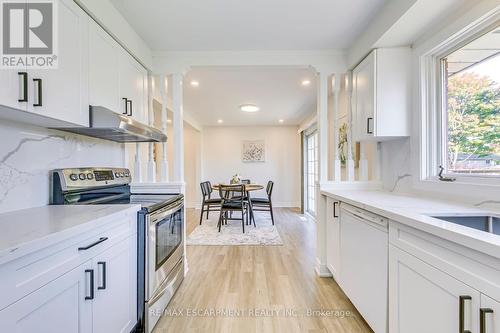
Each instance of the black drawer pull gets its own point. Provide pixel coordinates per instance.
(102, 239)
(482, 319)
(103, 264)
(91, 296)
(125, 112)
(24, 97)
(368, 121)
(335, 203)
(461, 313)
(39, 88)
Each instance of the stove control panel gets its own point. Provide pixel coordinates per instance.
(92, 177)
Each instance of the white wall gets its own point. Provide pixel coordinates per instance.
(28, 153)
(192, 165)
(221, 158)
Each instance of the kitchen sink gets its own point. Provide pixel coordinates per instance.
(486, 223)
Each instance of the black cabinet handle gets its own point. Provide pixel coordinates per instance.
(39, 89)
(24, 97)
(368, 120)
(102, 239)
(482, 319)
(335, 203)
(91, 272)
(130, 107)
(461, 313)
(103, 264)
(126, 105)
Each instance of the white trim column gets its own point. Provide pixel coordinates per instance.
(178, 121)
(337, 82)
(164, 123)
(151, 117)
(350, 160)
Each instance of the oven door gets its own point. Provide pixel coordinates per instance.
(165, 245)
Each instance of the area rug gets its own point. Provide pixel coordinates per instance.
(231, 234)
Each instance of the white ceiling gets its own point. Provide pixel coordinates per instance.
(208, 25)
(277, 91)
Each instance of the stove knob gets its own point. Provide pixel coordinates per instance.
(81, 176)
(73, 177)
(122, 174)
(90, 176)
(127, 174)
(117, 174)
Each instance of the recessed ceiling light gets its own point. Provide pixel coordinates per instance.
(281, 120)
(306, 82)
(220, 121)
(195, 83)
(249, 108)
(169, 121)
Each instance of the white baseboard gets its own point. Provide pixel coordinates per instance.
(322, 270)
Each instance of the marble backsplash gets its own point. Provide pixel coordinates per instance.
(28, 153)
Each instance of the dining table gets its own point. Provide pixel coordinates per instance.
(247, 188)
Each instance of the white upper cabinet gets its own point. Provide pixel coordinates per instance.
(14, 92)
(62, 93)
(381, 95)
(117, 81)
(104, 69)
(133, 87)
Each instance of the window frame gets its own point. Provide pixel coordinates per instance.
(434, 105)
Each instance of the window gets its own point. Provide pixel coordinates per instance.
(311, 172)
(470, 104)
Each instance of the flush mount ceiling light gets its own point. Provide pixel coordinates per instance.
(306, 82)
(195, 83)
(220, 121)
(249, 108)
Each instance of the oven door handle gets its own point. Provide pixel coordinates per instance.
(155, 218)
(103, 199)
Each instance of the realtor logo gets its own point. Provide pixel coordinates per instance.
(28, 34)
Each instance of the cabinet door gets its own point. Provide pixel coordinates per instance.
(58, 307)
(115, 303)
(424, 299)
(133, 86)
(490, 313)
(364, 97)
(333, 237)
(64, 90)
(14, 92)
(104, 70)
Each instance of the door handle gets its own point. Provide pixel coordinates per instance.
(461, 313)
(103, 285)
(125, 99)
(91, 273)
(335, 203)
(482, 319)
(39, 89)
(368, 120)
(24, 96)
(130, 107)
(102, 239)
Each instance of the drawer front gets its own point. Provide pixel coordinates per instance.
(22, 276)
(478, 270)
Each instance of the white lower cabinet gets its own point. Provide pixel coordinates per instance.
(489, 315)
(333, 237)
(58, 307)
(114, 306)
(424, 299)
(99, 295)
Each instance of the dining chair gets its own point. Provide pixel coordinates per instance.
(265, 204)
(207, 201)
(231, 204)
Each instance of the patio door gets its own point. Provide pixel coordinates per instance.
(310, 171)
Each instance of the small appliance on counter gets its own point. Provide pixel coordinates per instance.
(160, 230)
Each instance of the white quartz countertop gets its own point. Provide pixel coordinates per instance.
(414, 210)
(34, 228)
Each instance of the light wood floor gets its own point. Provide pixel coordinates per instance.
(259, 278)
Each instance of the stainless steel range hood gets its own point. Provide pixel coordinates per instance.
(109, 125)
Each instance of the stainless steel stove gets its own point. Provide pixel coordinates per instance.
(160, 230)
